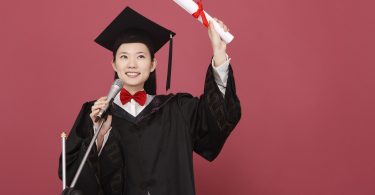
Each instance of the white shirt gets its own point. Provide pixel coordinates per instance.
(133, 108)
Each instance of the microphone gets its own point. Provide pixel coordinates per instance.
(115, 89)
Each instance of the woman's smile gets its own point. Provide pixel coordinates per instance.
(132, 74)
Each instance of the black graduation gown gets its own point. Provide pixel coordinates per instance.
(153, 151)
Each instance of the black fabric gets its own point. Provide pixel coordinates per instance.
(153, 152)
(71, 191)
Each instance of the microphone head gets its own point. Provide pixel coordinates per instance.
(119, 83)
(115, 89)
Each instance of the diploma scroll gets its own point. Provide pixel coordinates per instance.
(190, 6)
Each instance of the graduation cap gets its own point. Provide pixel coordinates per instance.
(131, 27)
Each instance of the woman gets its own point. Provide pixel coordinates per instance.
(147, 141)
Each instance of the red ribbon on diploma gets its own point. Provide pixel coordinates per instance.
(200, 12)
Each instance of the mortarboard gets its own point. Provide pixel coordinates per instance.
(137, 28)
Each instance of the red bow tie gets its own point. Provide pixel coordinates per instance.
(139, 97)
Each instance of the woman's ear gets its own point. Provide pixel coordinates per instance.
(114, 65)
(154, 63)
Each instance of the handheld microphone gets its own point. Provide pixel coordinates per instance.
(115, 89)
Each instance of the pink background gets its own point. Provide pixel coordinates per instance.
(304, 71)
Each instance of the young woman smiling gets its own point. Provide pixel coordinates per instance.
(147, 142)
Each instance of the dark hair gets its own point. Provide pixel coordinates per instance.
(137, 36)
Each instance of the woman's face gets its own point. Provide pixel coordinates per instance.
(133, 65)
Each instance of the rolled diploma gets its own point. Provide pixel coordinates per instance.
(191, 7)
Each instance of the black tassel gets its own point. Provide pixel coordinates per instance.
(169, 62)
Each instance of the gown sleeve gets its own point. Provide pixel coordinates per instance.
(211, 117)
(76, 146)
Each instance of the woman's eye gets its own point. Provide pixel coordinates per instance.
(141, 56)
(124, 57)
